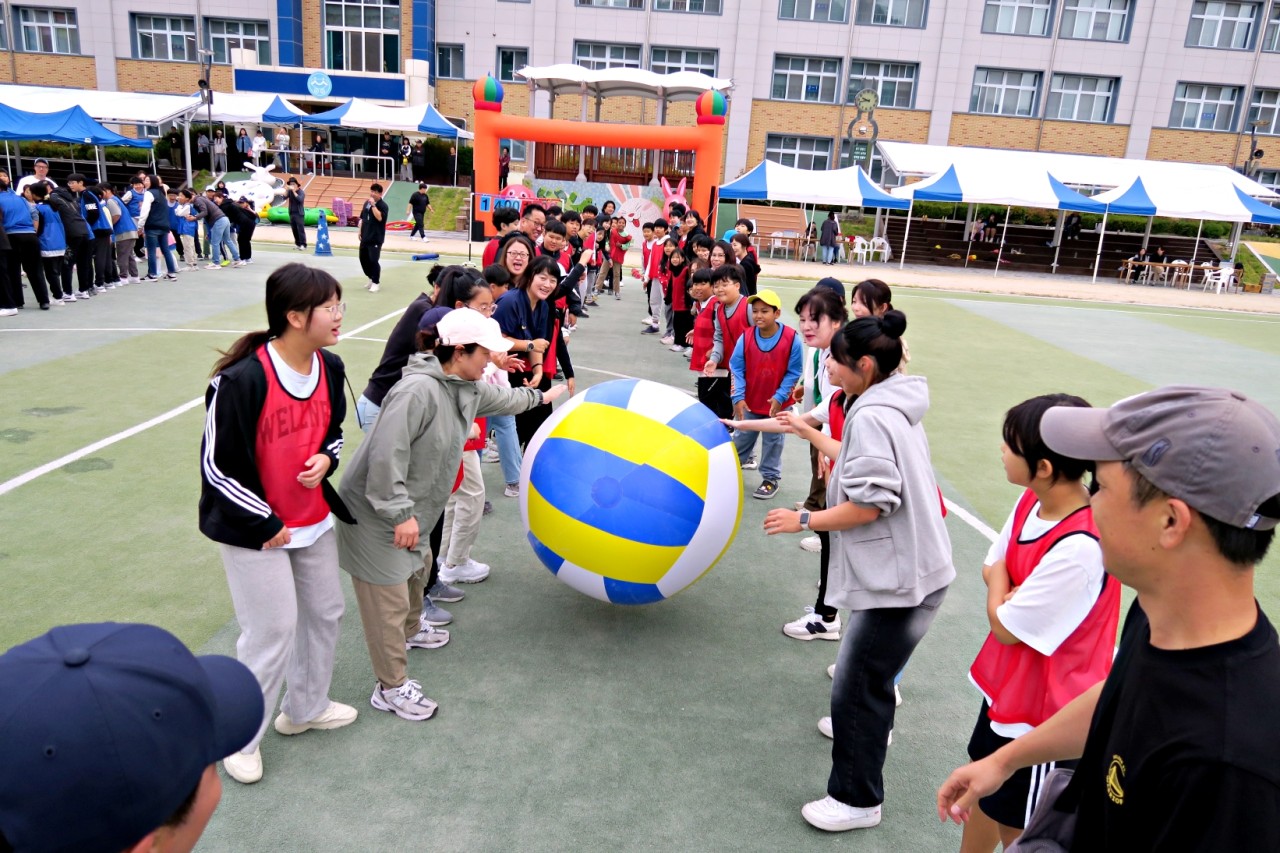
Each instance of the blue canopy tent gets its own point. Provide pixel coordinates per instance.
(70, 125)
(977, 184)
(282, 112)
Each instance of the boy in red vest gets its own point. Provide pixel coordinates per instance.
(652, 275)
(1053, 612)
(730, 318)
(766, 364)
(713, 391)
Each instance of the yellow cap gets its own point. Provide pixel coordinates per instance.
(768, 297)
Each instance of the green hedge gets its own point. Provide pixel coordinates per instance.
(66, 151)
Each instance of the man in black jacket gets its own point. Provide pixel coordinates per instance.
(79, 241)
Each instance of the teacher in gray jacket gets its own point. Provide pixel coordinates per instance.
(890, 555)
(399, 481)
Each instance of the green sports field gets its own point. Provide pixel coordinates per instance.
(565, 723)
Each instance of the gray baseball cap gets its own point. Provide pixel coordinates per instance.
(1218, 450)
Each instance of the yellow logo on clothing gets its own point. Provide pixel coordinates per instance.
(1115, 780)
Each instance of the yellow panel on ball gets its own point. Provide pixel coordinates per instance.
(630, 491)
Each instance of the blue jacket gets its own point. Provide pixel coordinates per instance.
(134, 202)
(17, 213)
(93, 212)
(126, 221)
(53, 238)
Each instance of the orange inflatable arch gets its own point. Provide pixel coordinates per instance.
(705, 139)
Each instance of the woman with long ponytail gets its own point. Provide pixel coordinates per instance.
(272, 437)
(890, 555)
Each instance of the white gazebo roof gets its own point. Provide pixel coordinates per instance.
(566, 79)
(103, 106)
(910, 159)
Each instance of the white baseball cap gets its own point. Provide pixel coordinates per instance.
(468, 326)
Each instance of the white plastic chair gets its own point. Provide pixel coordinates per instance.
(1218, 279)
(1183, 271)
(880, 246)
(775, 243)
(861, 250)
(791, 242)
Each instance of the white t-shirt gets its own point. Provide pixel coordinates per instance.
(1055, 598)
(301, 385)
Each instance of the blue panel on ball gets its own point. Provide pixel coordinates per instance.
(700, 423)
(619, 497)
(549, 558)
(616, 393)
(625, 592)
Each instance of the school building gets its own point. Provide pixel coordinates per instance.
(1175, 79)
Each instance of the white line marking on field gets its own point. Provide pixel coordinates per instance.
(1194, 313)
(34, 473)
(971, 520)
(366, 340)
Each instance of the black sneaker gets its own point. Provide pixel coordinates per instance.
(652, 330)
(767, 489)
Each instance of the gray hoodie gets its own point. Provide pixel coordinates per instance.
(905, 554)
(407, 465)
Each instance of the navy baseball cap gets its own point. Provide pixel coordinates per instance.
(832, 284)
(432, 317)
(106, 729)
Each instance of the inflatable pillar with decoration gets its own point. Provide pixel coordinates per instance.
(705, 139)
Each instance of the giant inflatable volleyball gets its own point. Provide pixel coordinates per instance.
(631, 491)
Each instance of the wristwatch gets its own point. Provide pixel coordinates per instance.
(529, 347)
(804, 519)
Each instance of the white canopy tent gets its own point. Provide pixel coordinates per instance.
(104, 106)
(244, 108)
(910, 159)
(566, 79)
(849, 187)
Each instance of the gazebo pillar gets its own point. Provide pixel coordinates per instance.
(662, 119)
(582, 149)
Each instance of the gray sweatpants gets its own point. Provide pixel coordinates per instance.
(463, 512)
(289, 605)
(655, 301)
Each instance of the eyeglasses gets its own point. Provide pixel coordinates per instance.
(335, 310)
(487, 309)
(524, 255)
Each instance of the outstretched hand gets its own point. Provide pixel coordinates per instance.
(966, 785)
(555, 392)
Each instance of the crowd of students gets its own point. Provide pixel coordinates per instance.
(1174, 492)
(83, 239)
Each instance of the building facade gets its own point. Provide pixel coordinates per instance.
(1179, 79)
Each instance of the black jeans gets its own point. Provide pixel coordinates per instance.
(369, 255)
(24, 255)
(874, 647)
(53, 277)
(417, 224)
(101, 256)
(80, 256)
(298, 223)
(244, 238)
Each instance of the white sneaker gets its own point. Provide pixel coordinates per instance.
(811, 626)
(8, 312)
(831, 671)
(335, 716)
(824, 726)
(468, 572)
(373, 288)
(834, 816)
(491, 455)
(245, 768)
(812, 544)
(240, 263)
(677, 348)
(429, 637)
(897, 696)
(511, 490)
(213, 266)
(648, 321)
(668, 340)
(405, 701)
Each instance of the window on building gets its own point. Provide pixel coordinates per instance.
(1017, 17)
(4, 34)
(449, 62)
(597, 55)
(880, 173)
(701, 7)
(362, 35)
(1265, 107)
(49, 30)
(224, 36)
(806, 78)
(1200, 106)
(894, 82)
(999, 91)
(1216, 24)
(1271, 38)
(669, 60)
(511, 60)
(802, 152)
(831, 11)
(613, 4)
(1269, 178)
(1075, 97)
(158, 37)
(519, 149)
(1098, 20)
(891, 13)
(148, 131)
